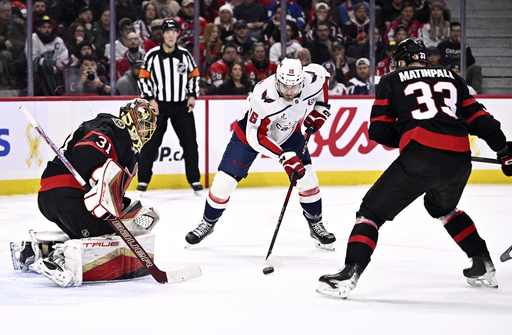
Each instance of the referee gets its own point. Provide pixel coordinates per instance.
(169, 80)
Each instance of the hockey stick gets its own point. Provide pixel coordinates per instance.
(160, 276)
(270, 259)
(506, 255)
(485, 160)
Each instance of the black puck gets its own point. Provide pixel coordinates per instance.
(268, 270)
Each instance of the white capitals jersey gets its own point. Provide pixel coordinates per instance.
(268, 120)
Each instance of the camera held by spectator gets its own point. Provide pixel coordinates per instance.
(91, 75)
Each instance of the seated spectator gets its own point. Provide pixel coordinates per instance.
(433, 57)
(87, 80)
(360, 84)
(319, 47)
(82, 49)
(85, 19)
(166, 9)
(405, 18)
(225, 21)
(334, 88)
(50, 56)
(217, 72)
(346, 10)
(185, 20)
(291, 47)
(242, 40)
(355, 32)
(127, 84)
(122, 44)
(304, 56)
(156, 35)
(142, 26)
(380, 48)
(450, 53)
(383, 67)
(237, 82)
(345, 66)
(272, 32)
(456, 68)
(209, 46)
(400, 34)
(38, 11)
(126, 9)
(422, 13)
(13, 62)
(76, 36)
(390, 12)
(209, 9)
(322, 15)
(294, 11)
(254, 14)
(131, 55)
(436, 29)
(259, 66)
(102, 31)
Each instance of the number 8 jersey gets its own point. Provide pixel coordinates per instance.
(431, 106)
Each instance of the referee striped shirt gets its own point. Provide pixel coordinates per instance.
(169, 77)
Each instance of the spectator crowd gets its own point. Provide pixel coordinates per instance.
(240, 41)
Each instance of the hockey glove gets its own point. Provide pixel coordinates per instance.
(292, 165)
(505, 158)
(317, 117)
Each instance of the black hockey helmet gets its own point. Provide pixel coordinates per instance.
(409, 51)
(170, 24)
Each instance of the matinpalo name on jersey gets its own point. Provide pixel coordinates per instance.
(419, 73)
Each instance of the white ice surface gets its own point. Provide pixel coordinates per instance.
(414, 284)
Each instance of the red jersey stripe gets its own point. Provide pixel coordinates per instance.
(62, 180)
(435, 140)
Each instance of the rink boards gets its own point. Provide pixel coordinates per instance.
(341, 151)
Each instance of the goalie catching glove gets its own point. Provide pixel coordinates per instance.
(505, 158)
(317, 117)
(292, 165)
(106, 194)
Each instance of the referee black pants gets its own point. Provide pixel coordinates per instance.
(184, 126)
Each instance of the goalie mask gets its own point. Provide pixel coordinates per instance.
(289, 78)
(140, 119)
(409, 51)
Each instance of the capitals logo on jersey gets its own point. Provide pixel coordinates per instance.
(265, 98)
(314, 76)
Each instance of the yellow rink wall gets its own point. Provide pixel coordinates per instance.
(341, 152)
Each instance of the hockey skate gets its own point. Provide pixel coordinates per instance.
(197, 235)
(340, 284)
(24, 255)
(196, 186)
(323, 239)
(54, 268)
(481, 272)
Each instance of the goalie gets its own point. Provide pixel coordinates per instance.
(104, 151)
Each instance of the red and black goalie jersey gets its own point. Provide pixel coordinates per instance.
(433, 107)
(88, 148)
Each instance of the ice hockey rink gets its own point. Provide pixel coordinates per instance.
(414, 284)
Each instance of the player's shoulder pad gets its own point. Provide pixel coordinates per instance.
(314, 78)
(264, 93)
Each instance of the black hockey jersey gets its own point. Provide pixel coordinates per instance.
(88, 148)
(433, 107)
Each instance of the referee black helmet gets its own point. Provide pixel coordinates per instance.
(170, 24)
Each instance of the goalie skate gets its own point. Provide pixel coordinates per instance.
(22, 255)
(54, 268)
(481, 272)
(322, 238)
(339, 285)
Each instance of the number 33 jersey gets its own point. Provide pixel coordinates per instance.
(268, 120)
(431, 106)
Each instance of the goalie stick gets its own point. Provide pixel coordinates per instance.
(160, 276)
(270, 259)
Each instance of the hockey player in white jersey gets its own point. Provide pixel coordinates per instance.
(269, 124)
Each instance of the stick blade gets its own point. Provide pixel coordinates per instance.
(506, 255)
(184, 274)
(273, 261)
